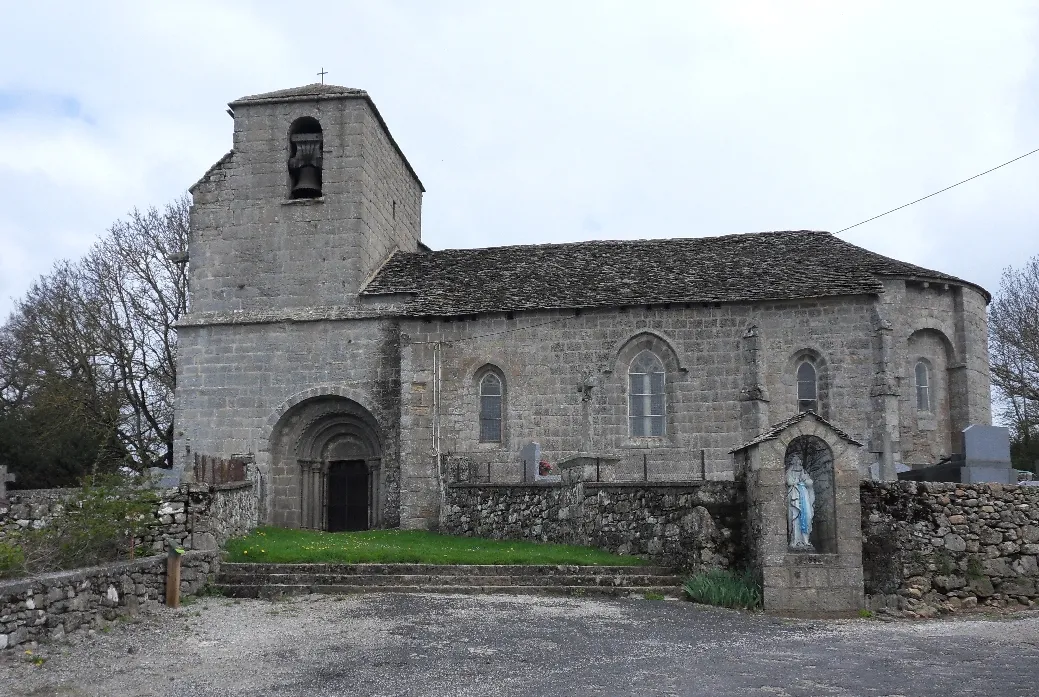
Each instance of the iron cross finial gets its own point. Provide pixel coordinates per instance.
(322, 74)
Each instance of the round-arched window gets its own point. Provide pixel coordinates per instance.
(491, 393)
(807, 387)
(646, 395)
(923, 386)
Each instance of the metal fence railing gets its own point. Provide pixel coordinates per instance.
(482, 467)
(218, 470)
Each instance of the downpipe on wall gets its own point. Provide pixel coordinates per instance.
(438, 349)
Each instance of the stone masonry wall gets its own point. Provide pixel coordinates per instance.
(236, 383)
(947, 327)
(254, 248)
(931, 547)
(692, 525)
(546, 357)
(50, 605)
(191, 516)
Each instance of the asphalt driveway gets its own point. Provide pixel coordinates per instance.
(387, 644)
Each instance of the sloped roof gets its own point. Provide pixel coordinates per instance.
(731, 268)
(312, 91)
(774, 430)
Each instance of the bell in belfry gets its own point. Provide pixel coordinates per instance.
(305, 165)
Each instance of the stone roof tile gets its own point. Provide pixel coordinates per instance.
(775, 430)
(302, 92)
(731, 268)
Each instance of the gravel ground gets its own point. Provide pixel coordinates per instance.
(385, 644)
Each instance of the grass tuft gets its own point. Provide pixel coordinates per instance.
(724, 589)
(282, 546)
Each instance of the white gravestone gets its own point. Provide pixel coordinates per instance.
(530, 456)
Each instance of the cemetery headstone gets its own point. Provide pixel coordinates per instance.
(986, 454)
(530, 456)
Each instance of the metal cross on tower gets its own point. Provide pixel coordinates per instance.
(322, 74)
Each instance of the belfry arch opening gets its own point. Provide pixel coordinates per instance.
(305, 156)
(327, 466)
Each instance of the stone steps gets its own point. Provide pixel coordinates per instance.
(293, 579)
(273, 580)
(275, 591)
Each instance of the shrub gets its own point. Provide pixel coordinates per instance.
(100, 522)
(725, 589)
(12, 560)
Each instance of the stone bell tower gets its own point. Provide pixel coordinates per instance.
(313, 197)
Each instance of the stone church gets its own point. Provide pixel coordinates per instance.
(363, 371)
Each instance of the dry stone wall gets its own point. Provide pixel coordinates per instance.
(51, 605)
(685, 525)
(928, 547)
(191, 516)
(931, 547)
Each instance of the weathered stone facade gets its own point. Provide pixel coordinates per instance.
(50, 605)
(322, 334)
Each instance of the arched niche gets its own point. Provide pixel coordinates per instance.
(812, 456)
(326, 457)
(930, 434)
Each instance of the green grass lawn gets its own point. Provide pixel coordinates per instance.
(278, 545)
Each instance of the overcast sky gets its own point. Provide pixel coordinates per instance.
(551, 121)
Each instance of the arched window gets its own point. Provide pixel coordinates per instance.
(807, 387)
(923, 387)
(305, 158)
(646, 395)
(491, 391)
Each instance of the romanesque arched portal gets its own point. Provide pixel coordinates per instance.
(326, 466)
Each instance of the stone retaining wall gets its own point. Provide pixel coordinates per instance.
(49, 605)
(30, 508)
(931, 547)
(927, 547)
(195, 516)
(684, 525)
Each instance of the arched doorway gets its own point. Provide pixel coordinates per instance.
(326, 466)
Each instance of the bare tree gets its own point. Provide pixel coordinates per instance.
(95, 340)
(143, 294)
(1014, 353)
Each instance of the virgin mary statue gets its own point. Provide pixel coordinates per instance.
(800, 504)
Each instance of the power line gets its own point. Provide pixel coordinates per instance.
(937, 192)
